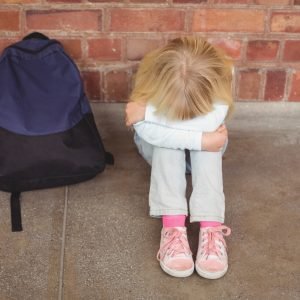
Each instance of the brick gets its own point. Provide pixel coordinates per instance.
(231, 47)
(19, 1)
(224, 20)
(190, 1)
(91, 81)
(295, 88)
(104, 49)
(9, 20)
(285, 22)
(262, 50)
(272, 2)
(117, 86)
(291, 51)
(107, 1)
(72, 47)
(64, 1)
(249, 84)
(137, 48)
(148, 1)
(64, 20)
(275, 85)
(156, 20)
(234, 1)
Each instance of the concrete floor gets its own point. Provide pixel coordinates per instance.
(94, 240)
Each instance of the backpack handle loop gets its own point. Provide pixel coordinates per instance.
(35, 35)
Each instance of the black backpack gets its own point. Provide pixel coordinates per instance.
(48, 135)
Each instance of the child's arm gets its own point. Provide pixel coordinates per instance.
(206, 123)
(136, 112)
(167, 137)
(178, 135)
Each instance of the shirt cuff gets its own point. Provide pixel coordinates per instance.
(196, 141)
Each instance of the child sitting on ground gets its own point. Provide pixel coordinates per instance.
(181, 96)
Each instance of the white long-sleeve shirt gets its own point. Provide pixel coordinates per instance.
(161, 132)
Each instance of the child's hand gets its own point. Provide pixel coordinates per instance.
(214, 141)
(134, 113)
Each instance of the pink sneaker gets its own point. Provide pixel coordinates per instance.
(212, 261)
(174, 255)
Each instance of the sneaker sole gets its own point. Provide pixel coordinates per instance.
(175, 273)
(211, 275)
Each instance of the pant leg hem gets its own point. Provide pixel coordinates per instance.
(161, 212)
(199, 218)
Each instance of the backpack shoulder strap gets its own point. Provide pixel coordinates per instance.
(15, 209)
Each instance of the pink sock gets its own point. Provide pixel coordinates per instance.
(173, 221)
(204, 224)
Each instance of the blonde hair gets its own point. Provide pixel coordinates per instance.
(184, 78)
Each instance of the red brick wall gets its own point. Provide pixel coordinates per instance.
(108, 38)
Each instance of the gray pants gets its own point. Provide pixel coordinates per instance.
(168, 182)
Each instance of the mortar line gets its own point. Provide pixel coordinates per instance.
(63, 242)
